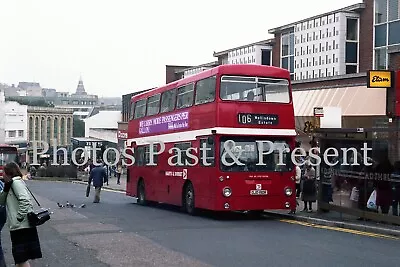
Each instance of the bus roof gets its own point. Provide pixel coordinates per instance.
(236, 69)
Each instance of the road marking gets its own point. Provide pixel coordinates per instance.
(112, 190)
(350, 231)
(103, 189)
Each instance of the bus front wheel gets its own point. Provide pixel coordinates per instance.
(141, 195)
(189, 199)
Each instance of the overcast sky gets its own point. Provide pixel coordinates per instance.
(122, 46)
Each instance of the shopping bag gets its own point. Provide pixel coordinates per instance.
(88, 190)
(371, 204)
(355, 194)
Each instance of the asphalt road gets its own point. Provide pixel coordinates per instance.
(117, 232)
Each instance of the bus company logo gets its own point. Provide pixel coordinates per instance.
(165, 123)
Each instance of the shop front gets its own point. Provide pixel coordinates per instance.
(122, 135)
(360, 161)
(358, 107)
(361, 179)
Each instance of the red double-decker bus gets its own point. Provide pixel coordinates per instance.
(7, 154)
(239, 103)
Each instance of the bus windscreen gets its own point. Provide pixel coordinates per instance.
(254, 89)
(7, 156)
(246, 151)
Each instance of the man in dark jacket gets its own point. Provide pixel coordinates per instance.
(99, 176)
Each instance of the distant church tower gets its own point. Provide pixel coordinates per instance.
(80, 89)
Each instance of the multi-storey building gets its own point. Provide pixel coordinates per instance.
(16, 122)
(322, 46)
(50, 125)
(196, 69)
(386, 34)
(255, 53)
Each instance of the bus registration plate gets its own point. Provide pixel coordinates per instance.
(258, 192)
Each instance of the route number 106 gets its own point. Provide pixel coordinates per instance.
(244, 119)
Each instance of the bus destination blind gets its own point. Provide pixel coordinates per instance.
(258, 119)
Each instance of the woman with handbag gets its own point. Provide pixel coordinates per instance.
(15, 196)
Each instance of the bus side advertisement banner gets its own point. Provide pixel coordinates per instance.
(165, 123)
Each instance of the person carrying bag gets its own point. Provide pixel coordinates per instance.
(24, 236)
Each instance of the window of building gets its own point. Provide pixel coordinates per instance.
(20, 133)
(380, 59)
(352, 29)
(334, 44)
(140, 108)
(185, 96)
(351, 69)
(394, 9)
(288, 53)
(394, 33)
(205, 91)
(12, 134)
(351, 52)
(380, 35)
(380, 11)
(168, 100)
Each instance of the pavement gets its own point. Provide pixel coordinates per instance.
(118, 232)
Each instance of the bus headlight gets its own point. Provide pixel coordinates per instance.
(227, 192)
(288, 191)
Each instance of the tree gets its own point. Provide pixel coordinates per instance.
(30, 102)
(79, 128)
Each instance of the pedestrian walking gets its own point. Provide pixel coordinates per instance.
(24, 237)
(119, 172)
(99, 176)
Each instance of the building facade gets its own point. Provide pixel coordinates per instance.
(2, 118)
(16, 122)
(50, 125)
(259, 53)
(325, 45)
(103, 126)
(386, 32)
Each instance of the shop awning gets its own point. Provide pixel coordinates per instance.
(354, 101)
